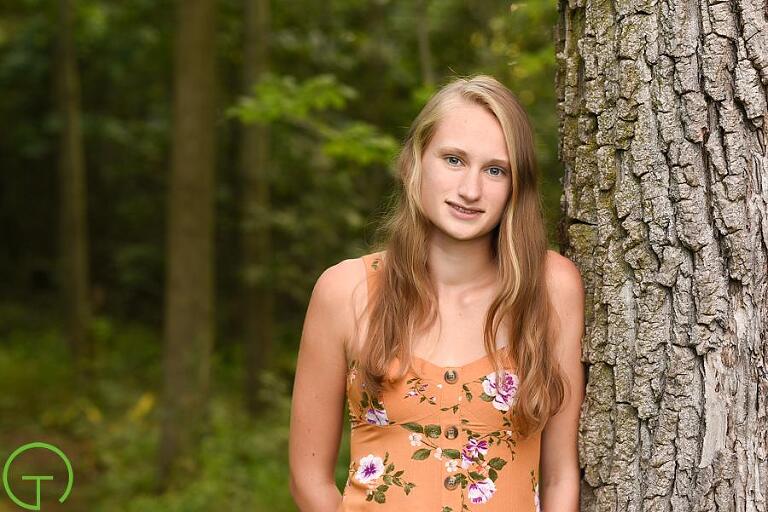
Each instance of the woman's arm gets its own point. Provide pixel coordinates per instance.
(560, 477)
(317, 404)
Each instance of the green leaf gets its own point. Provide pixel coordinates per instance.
(413, 427)
(452, 453)
(421, 454)
(497, 463)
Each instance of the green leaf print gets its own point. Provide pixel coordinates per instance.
(421, 454)
(452, 453)
(497, 463)
(413, 427)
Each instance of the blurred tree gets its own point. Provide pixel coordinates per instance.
(425, 49)
(256, 315)
(189, 306)
(73, 228)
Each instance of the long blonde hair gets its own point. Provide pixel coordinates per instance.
(405, 299)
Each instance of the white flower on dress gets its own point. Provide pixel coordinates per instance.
(377, 417)
(371, 468)
(415, 439)
(504, 397)
(438, 453)
(536, 498)
(451, 465)
(482, 491)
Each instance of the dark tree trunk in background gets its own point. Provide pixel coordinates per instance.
(663, 110)
(257, 299)
(189, 300)
(73, 227)
(425, 49)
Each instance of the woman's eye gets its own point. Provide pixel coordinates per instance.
(501, 171)
(452, 160)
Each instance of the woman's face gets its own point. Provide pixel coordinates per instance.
(465, 165)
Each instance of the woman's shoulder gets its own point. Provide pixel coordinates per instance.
(565, 284)
(343, 288)
(344, 283)
(561, 271)
(349, 273)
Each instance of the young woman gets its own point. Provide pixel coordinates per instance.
(457, 344)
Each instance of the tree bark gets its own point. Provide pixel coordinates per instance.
(257, 298)
(73, 224)
(662, 113)
(189, 306)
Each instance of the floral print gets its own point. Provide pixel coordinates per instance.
(378, 476)
(501, 398)
(417, 389)
(535, 485)
(482, 491)
(377, 416)
(371, 468)
(480, 478)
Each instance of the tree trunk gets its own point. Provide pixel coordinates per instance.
(73, 226)
(257, 303)
(425, 50)
(662, 110)
(189, 315)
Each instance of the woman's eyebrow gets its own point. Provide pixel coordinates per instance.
(463, 154)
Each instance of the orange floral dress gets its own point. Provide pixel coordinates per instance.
(438, 440)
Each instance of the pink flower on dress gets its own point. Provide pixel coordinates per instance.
(504, 397)
(481, 491)
(475, 447)
(536, 498)
(377, 417)
(371, 468)
(471, 450)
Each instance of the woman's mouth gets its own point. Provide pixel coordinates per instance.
(464, 213)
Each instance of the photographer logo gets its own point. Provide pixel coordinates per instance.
(36, 478)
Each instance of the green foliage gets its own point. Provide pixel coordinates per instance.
(341, 91)
(277, 98)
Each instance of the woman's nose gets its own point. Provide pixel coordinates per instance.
(470, 186)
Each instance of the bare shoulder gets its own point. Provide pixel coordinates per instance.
(341, 289)
(563, 275)
(339, 280)
(566, 288)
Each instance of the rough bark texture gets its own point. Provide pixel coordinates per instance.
(189, 321)
(258, 302)
(73, 226)
(663, 111)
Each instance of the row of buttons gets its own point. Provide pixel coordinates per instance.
(452, 432)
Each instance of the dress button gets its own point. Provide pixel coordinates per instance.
(452, 432)
(451, 482)
(451, 376)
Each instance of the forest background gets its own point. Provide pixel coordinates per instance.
(324, 92)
